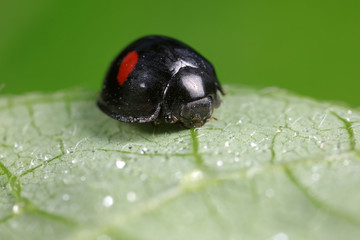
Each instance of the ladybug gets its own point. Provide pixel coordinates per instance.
(160, 79)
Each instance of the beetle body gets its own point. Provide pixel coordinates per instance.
(157, 78)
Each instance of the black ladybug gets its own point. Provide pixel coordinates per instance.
(158, 78)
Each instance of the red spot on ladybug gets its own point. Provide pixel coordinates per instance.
(127, 66)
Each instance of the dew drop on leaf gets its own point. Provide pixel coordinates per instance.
(120, 164)
(192, 177)
(108, 201)
(219, 163)
(16, 209)
(131, 196)
(66, 197)
(68, 151)
(143, 150)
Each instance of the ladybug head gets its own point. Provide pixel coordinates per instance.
(190, 98)
(196, 113)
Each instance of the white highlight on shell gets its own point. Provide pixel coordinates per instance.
(176, 66)
(193, 84)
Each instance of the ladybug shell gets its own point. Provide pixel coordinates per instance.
(154, 78)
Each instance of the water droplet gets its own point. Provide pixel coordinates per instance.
(253, 144)
(83, 178)
(348, 119)
(239, 122)
(131, 196)
(16, 209)
(289, 118)
(219, 163)
(120, 164)
(46, 177)
(227, 144)
(143, 150)
(1, 156)
(74, 161)
(180, 140)
(193, 177)
(280, 236)
(253, 133)
(108, 201)
(16, 145)
(349, 111)
(322, 145)
(66, 197)
(295, 134)
(270, 193)
(66, 171)
(205, 147)
(68, 151)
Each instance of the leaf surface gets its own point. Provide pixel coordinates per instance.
(273, 166)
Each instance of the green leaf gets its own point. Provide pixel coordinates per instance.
(273, 166)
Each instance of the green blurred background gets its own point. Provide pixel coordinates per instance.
(310, 47)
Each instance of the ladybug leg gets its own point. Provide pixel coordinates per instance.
(169, 118)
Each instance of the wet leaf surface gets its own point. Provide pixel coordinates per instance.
(273, 166)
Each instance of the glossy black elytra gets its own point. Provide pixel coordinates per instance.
(158, 78)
